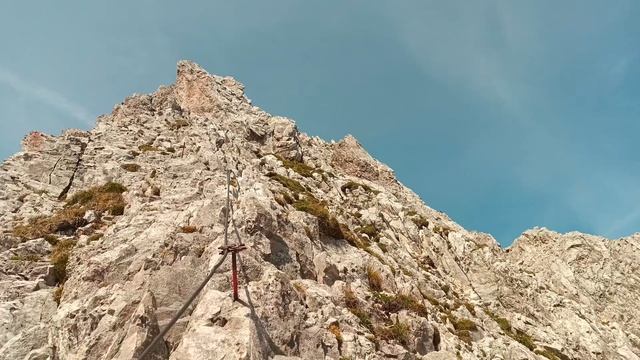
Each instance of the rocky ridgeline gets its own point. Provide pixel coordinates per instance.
(105, 234)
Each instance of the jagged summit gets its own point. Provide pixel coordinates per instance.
(104, 234)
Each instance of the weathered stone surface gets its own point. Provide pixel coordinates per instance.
(342, 261)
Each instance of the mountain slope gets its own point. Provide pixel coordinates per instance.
(121, 223)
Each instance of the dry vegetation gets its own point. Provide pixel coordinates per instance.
(297, 166)
(397, 331)
(515, 334)
(60, 259)
(352, 185)
(374, 278)
(102, 199)
(147, 148)
(188, 229)
(335, 330)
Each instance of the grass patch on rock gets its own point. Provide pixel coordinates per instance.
(102, 199)
(353, 304)
(60, 258)
(352, 185)
(374, 278)
(288, 183)
(298, 166)
(551, 353)
(420, 222)
(147, 148)
(517, 335)
(396, 303)
(188, 229)
(398, 331)
(370, 230)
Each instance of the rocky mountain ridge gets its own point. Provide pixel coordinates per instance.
(104, 234)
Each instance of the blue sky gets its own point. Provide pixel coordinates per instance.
(503, 114)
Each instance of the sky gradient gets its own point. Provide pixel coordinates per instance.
(505, 115)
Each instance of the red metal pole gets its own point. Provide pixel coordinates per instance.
(234, 276)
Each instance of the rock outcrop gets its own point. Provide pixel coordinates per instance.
(105, 234)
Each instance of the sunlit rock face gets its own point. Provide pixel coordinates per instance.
(104, 234)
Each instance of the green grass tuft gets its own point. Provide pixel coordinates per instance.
(297, 166)
(399, 332)
(288, 183)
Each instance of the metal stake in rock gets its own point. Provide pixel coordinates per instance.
(234, 250)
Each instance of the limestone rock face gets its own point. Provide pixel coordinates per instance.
(105, 234)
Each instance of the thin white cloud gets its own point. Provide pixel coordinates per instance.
(468, 46)
(45, 95)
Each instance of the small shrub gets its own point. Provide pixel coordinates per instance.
(398, 331)
(394, 304)
(375, 279)
(188, 229)
(60, 258)
(130, 167)
(155, 191)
